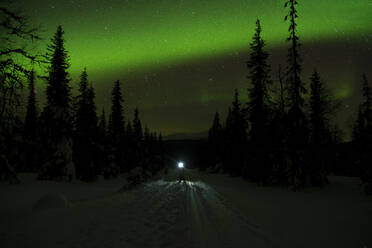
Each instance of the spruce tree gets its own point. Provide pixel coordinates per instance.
(296, 86)
(56, 116)
(363, 136)
(30, 131)
(320, 108)
(358, 127)
(131, 149)
(86, 130)
(137, 126)
(117, 131)
(129, 133)
(367, 108)
(30, 125)
(362, 132)
(236, 135)
(102, 141)
(319, 130)
(117, 117)
(215, 141)
(296, 122)
(102, 122)
(214, 133)
(258, 107)
(138, 138)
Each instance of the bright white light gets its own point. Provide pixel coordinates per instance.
(180, 165)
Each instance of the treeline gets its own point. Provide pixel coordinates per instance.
(67, 139)
(284, 133)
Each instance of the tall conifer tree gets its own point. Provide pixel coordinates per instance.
(86, 131)
(258, 107)
(31, 113)
(56, 116)
(137, 126)
(117, 129)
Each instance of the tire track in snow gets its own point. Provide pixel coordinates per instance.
(172, 214)
(146, 221)
(214, 224)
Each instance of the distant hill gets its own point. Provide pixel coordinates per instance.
(187, 136)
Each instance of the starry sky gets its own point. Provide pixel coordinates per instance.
(180, 60)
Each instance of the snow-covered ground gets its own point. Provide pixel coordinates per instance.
(205, 211)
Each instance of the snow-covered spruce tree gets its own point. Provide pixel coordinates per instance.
(258, 107)
(116, 134)
(296, 119)
(56, 117)
(86, 130)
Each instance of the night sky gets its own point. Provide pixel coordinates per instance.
(180, 60)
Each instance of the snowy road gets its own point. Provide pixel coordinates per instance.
(163, 213)
(173, 214)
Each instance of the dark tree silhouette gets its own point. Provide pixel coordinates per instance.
(320, 134)
(282, 93)
(236, 138)
(367, 109)
(258, 104)
(215, 142)
(296, 119)
(363, 136)
(319, 107)
(31, 119)
(297, 123)
(362, 128)
(102, 124)
(130, 146)
(15, 37)
(296, 86)
(86, 132)
(137, 139)
(31, 130)
(137, 126)
(117, 117)
(56, 116)
(214, 134)
(116, 133)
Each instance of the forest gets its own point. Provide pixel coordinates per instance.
(284, 135)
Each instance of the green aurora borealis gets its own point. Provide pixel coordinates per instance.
(179, 60)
